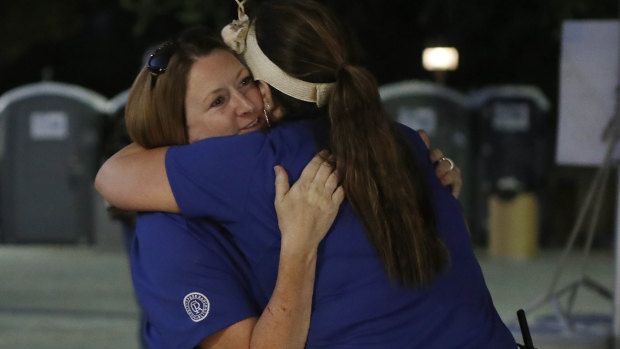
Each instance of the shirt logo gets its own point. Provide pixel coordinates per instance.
(196, 306)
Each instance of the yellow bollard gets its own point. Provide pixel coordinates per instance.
(513, 226)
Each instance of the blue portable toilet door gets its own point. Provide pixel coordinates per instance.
(49, 161)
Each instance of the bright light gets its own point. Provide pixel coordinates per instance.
(440, 58)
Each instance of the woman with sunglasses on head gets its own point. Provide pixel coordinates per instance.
(397, 268)
(189, 275)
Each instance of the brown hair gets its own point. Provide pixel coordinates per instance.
(378, 172)
(155, 113)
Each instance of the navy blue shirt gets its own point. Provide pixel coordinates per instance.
(190, 278)
(230, 180)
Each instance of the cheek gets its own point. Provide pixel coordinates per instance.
(194, 133)
(200, 127)
(217, 125)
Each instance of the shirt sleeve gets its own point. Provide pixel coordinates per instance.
(419, 147)
(210, 178)
(190, 282)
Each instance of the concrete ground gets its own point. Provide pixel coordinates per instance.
(81, 297)
(67, 296)
(518, 284)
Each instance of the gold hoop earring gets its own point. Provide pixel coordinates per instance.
(266, 118)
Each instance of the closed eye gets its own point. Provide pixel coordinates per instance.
(248, 80)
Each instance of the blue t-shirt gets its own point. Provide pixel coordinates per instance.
(231, 180)
(190, 278)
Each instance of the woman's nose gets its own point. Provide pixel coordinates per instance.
(242, 103)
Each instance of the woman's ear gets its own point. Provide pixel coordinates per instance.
(265, 92)
(271, 106)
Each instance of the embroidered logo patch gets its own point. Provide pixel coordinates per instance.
(196, 306)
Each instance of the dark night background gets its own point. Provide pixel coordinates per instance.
(99, 44)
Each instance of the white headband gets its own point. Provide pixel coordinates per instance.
(240, 36)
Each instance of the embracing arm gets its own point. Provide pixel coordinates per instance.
(449, 176)
(305, 213)
(135, 179)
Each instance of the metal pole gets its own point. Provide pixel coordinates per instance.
(616, 320)
(616, 315)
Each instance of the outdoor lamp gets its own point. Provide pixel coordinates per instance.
(440, 60)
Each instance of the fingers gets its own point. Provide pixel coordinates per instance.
(338, 195)
(425, 138)
(326, 181)
(435, 155)
(311, 169)
(332, 181)
(446, 170)
(457, 183)
(323, 174)
(318, 177)
(320, 171)
(281, 183)
(443, 167)
(453, 179)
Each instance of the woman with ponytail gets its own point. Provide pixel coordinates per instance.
(397, 268)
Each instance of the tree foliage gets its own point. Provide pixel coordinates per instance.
(89, 41)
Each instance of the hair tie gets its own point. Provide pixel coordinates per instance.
(342, 69)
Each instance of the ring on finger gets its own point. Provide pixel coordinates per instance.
(448, 160)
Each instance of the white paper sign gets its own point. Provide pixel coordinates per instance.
(588, 79)
(49, 125)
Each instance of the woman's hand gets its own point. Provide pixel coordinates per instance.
(307, 210)
(446, 170)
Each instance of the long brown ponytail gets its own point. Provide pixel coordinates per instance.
(382, 180)
(378, 172)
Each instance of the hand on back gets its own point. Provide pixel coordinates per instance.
(307, 209)
(448, 173)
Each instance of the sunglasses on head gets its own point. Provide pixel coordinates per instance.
(158, 61)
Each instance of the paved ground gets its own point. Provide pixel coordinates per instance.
(81, 297)
(516, 284)
(65, 297)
